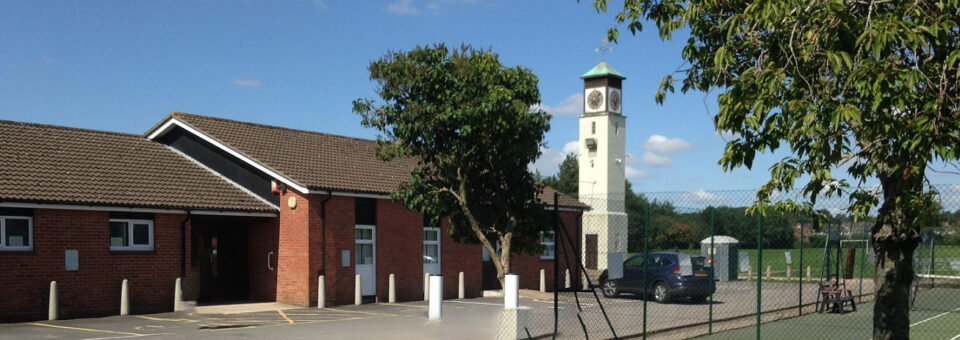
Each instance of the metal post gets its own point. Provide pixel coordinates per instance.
(759, 265)
(713, 261)
(392, 289)
(932, 237)
(860, 288)
(53, 312)
(177, 296)
(511, 291)
(321, 292)
(800, 277)
(125, 298)
(556, 264)
(435, 308)
(646, 257)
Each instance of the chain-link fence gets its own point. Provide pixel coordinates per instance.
(703, 264)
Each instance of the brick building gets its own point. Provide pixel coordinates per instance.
(193, 198)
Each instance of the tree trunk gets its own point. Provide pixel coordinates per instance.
(894, 240)
(894, 273)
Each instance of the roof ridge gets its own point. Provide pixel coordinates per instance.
(178, 113)
(63, 127)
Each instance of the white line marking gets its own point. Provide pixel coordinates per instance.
(956, 337)
(934, 317)
(478, 303)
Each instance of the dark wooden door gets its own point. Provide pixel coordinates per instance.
(223, 263)
(591, 251)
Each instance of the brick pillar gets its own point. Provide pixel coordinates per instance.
(293, 251)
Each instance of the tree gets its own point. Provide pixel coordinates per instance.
(567, 180)
(868, 83)
(467, 119)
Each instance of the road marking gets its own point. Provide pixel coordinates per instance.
(934, 317)
(356, 311)
(284, 316)
(478, 303)
(153, 318)
(127, 336)
(87, 329)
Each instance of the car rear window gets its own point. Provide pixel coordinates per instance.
(699, 263)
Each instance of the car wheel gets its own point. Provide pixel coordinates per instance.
(609, 288)
(661, 293)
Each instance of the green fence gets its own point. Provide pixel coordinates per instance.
(775, 276)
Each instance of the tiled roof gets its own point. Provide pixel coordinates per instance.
(52, 164)
(315, 160)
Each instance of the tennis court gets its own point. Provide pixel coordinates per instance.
(936, 316)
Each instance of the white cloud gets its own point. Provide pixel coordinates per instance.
(701, 196)
(321, 3)
(572, 105)
(664, 145)
(549, 161)
(653, 159)
(571, 147)
(247, 82)
(402, 7)
(631, 173)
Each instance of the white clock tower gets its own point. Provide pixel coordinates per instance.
(602, 181)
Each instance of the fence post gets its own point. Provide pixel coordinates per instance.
(800, 276)
(759, 265)
(932, 259)
(862, 256)
(646, 256)
(809, 277)
(713, 259)
(768, 272)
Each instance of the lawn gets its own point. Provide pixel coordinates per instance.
(947, 260)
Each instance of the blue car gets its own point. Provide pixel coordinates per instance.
(669, 275)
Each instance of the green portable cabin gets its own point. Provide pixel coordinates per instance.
(725, 256)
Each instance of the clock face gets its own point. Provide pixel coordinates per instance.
(595, 99)
(614, 101)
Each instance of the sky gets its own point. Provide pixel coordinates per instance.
(124, 65)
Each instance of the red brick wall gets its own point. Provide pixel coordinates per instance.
(460, 257)
(340, 234)
(263, 237)
(528, 266)
(399, 251)
(94, 289)
(293, 252)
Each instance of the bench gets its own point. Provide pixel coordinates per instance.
(835, 297)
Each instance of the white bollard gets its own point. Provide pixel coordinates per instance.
(461, 291)
(511, 291)
(125, 298)
(392, 298)
(426, 286)
(321, 292)
(436, 297)
(54, 311)
(357, 297)
(177, 296)
(543, 281)
(566, 279)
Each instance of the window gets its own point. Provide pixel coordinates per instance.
(431, 245)
(548, 241)
(130, 234)
(16, 233)
(364, 245)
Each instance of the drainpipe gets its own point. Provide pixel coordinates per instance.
(323, 233)
(183, 245)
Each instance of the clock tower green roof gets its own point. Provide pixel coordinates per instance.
(602, 69)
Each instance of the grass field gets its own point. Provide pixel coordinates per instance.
(937, 317)
(814, 258)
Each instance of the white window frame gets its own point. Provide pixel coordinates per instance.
(544, 243)
(435, 242)
(3, 233)
(130, 246)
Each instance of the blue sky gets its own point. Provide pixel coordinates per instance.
(124, 65)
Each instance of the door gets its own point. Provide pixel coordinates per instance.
(591, 251)
(431, 251)
(633, 273)
(366, 258)
(223, 262)
(490, 280)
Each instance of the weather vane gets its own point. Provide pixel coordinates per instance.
(603, 49)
